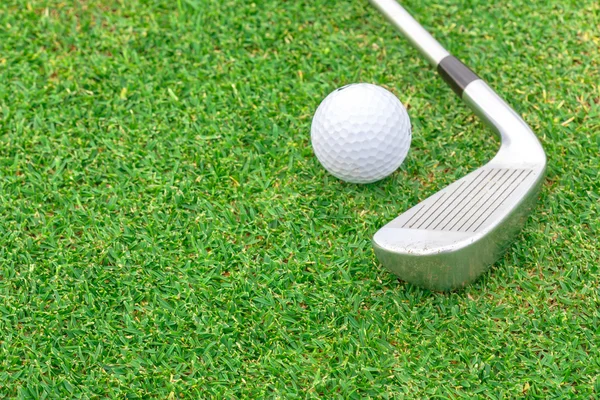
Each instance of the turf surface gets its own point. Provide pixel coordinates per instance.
(167, 232)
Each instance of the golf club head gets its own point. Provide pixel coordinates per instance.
(450, 239)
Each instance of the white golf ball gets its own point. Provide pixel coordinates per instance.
(361, 133)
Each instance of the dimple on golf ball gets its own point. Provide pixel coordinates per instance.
(361, 133)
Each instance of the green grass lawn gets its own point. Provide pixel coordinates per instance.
(166, 230)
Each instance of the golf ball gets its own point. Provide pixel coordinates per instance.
(361, 133)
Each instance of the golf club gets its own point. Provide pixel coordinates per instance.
(451, 238)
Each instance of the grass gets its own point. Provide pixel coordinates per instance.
(167, 232)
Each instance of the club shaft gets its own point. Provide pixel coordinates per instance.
(483, 100)
(422, 40)
(457, 75)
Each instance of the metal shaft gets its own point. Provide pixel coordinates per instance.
(412, 30)
(482, 99)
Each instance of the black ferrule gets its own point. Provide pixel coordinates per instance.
(456, 74)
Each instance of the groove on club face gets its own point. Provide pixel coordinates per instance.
(451, 238)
